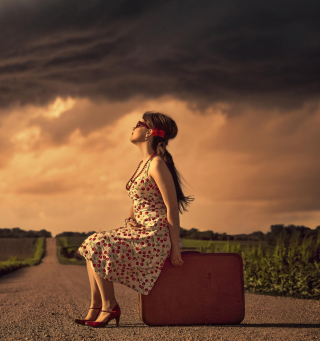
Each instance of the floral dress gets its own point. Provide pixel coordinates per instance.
(134, 256)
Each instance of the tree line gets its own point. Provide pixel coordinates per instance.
(276, 231)
(16, 232)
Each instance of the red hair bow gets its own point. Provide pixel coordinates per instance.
(158, 132)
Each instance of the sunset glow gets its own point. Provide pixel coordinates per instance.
(240, 85)
(244, 174)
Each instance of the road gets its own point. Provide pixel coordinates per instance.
(41, 302)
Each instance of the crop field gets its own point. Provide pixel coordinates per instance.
(20, 252)
(290, 268)
(18, 248)
(219, 245)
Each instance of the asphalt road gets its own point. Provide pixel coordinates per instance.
(41, 302)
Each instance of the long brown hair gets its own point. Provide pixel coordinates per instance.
(166, 123)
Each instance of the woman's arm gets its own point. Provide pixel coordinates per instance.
(161, 174)
(131, 219)
(174, 225)
(131, 215)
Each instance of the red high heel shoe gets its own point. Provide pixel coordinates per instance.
(84, 320)
(114, 314)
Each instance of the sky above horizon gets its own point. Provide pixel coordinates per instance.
(241, 80)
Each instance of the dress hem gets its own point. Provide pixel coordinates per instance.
(117, 281)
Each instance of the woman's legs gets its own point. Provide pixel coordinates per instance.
(96, 300)
(102, 294)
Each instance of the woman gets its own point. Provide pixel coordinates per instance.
(134, 255)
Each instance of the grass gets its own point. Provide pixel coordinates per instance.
(66, 250)
(14, 263)
(67, 246)
(194, 243)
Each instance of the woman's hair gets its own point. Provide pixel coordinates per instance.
(166, 123)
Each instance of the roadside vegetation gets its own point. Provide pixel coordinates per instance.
(289, 268)
(21, 246)
(287, 264)
(284, 261)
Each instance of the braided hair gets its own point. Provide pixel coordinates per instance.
(169, 126)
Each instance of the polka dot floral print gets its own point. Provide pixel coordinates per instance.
(134, 256)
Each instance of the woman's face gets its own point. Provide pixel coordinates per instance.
(139, 132)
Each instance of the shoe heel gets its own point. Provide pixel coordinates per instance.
(117, 320)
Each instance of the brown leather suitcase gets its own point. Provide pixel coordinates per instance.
(207, 289)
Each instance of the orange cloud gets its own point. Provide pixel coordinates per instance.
(66, 164)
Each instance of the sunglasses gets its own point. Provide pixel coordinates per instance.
(141, 124)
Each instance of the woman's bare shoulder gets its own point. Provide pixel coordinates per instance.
(155, 160)
(153, 163)
(158, 157)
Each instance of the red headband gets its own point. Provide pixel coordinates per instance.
(157, 132)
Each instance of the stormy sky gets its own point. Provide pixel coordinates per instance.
(241, 80)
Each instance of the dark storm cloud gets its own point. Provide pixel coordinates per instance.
(203, 51)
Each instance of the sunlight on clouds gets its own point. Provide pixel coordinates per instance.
(88, 173)
(26, 139)
(239, 179)
(58, 107)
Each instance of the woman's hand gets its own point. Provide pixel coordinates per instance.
(132, 223)
(175, 255)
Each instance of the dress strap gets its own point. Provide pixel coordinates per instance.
(148, 165)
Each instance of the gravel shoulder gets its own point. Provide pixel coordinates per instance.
(41, 302)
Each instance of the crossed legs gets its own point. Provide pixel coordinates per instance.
(102, 294)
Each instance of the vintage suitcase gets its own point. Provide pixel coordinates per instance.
(207, 289)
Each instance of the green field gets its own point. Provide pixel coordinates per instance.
(24, 252)
(66, 250)
(67, 247)
(222, 246)
(289, 270)
(18, 248)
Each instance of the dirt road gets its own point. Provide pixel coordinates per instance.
(40, 303)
